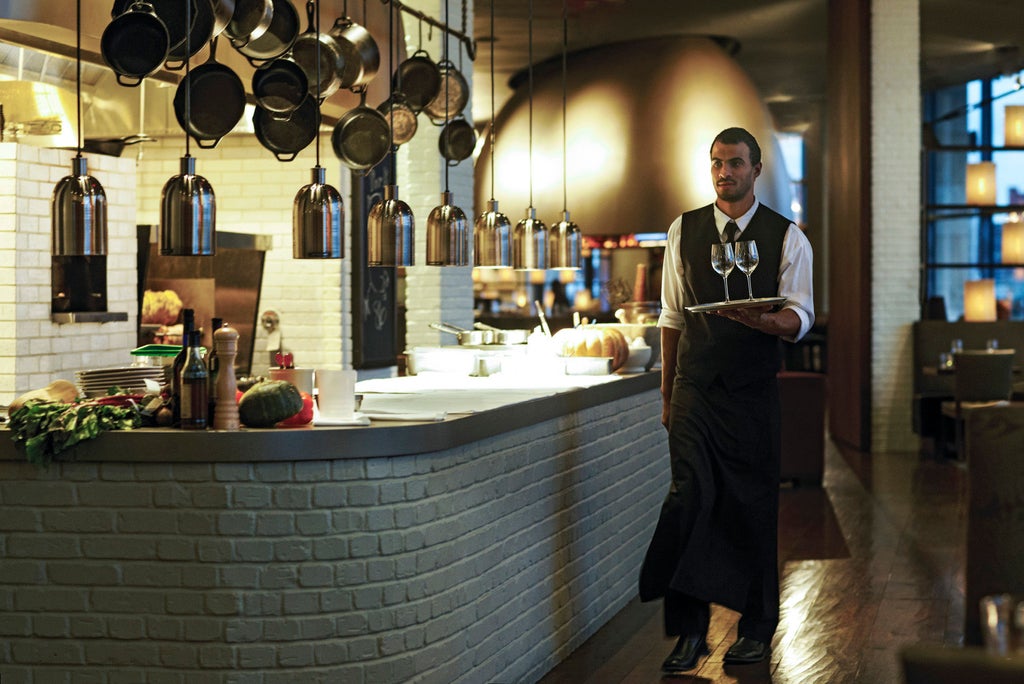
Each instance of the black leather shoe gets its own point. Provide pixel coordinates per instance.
(685, 655)
(745, 651)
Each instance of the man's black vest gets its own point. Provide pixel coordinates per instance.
(710, 345)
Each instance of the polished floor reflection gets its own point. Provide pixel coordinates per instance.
(870, 562)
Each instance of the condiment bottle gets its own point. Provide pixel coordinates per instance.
(195, 379)
(188, 324)
(212, 365)
(225, 413)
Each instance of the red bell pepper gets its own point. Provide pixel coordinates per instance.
(304, 416)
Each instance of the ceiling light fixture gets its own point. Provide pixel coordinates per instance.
(530, 236)
(447, 228)
(318, 211)
(188, 208)
(78, 206)
(492, 235)
(565, 241)
(390, 224)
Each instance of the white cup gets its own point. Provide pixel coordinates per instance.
(336, 393)
(302, 378)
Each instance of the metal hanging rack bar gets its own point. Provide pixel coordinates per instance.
(460, 35)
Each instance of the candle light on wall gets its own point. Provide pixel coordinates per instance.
(980, 300)
(981, 183)
(1014, 126)
(1013, 243)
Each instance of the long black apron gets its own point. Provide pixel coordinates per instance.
(716, 538)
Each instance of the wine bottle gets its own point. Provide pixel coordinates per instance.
(188, 324)
(195, 379)
(213, 365)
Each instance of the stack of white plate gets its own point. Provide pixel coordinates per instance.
(131, 379)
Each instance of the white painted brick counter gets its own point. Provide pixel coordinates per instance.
(489, 561)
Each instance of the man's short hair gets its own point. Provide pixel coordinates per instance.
(737, 135)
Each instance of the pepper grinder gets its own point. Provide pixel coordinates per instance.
(225, 412)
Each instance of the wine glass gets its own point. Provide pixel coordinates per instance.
(723, 261)
(746, 261)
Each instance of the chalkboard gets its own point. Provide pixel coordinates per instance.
(373, 287)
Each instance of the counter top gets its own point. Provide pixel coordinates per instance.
(388, 438)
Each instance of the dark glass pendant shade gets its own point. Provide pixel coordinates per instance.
(447, 234)
(187, 214)
(391, 231)
(317, 219)
(78, 212)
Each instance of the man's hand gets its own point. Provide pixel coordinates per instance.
(783, 323)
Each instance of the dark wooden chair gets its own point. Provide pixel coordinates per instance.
(982, 378)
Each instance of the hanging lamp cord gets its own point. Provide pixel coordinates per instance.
(392, 58)
(447, 129)
(494, 140)
(188, 79)
(316, 9)
(78, 71)
(530, 75)
(565, 48)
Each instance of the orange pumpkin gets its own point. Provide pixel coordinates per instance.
(590, 341)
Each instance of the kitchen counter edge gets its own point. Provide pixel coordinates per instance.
(381, 439)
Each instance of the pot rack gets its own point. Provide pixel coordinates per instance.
(460, 35)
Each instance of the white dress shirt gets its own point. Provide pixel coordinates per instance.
(795, 281)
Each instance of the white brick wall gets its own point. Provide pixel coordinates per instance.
(33, 350)
(895, 200)
(254, 193)
(483, 563)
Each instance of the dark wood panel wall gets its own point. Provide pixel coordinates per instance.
(848, 187)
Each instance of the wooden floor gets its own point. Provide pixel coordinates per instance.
(872, 561)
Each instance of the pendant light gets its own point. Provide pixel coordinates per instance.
(318, 211)
(188, 209)
(447, 228)
(530, 236)
(565, 249)
(390, 225)
(492, 234)
(78, 207)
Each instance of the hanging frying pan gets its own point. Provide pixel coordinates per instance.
(454, 90)
(457, 140)
(278, 38)
(308, 46)
(279, 86)
(134, 44)
(223, 10)
(358, 50)
(420, 80)
(287, 137)
(217, 98)
(175, 14)
(400, 117)
(361, 138)
(249, 21)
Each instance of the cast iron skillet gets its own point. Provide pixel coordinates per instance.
(361, 138)
(217, 101)
(278, 38)
(457, 140)
(419, 80)
(250, 20)
(173, 13)
(134, 44)
(454, 90)
(311, 46)
(287, 137)
(280, 86)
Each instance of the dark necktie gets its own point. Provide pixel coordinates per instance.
(730, 231)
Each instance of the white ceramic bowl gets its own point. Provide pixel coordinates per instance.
(638, 361)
